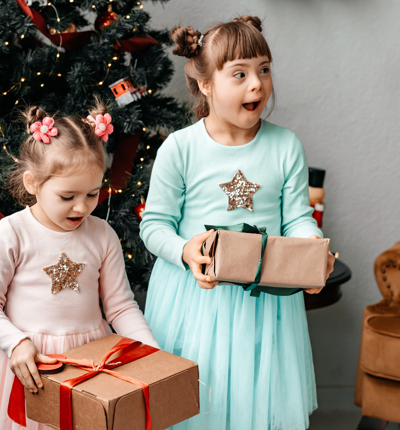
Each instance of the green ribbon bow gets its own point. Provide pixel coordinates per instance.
(254, 287)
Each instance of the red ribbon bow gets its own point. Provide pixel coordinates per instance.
(129, 350)
(76, 40)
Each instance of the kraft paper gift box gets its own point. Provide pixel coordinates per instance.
(288, 264)
(105, 402)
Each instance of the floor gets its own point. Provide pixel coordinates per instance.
(344, 420)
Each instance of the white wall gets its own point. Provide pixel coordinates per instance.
(336, 73)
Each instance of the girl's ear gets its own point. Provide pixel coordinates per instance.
(205, 87)
(30, 182)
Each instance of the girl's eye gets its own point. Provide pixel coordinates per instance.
(67, 198)
(239, 75)
(265, 70)
(93, 195)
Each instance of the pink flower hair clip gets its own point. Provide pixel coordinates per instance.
(103, 126)
(44, 130)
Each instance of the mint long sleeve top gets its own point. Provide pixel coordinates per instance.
(185, 192)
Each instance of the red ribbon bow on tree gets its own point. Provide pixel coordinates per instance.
(76, 40)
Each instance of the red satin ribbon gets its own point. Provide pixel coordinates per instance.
(129, 350)
(1, 215)
(75, 40)
(66, 40)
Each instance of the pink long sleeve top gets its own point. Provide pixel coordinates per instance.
(27, 303)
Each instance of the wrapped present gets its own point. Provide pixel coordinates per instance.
(245, 255)
(114, 383)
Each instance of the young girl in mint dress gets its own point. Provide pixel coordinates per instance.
(254, 353)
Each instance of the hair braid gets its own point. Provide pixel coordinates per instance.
(186, 40)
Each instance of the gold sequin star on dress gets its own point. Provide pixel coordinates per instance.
(240, 192)
(64, 274)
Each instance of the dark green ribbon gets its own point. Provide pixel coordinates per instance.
(254, 287)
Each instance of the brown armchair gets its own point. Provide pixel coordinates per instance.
(378, 374)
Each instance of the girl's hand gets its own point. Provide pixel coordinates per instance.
(192, 256)
(329, 269)
(22, 364)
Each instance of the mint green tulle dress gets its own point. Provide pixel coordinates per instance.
(254, 353)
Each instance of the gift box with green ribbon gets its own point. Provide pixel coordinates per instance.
(246, 255)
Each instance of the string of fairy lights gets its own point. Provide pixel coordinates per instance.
(22, 80)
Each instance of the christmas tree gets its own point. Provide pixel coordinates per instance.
(59, 54)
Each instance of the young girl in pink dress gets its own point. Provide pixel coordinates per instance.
(56, 260)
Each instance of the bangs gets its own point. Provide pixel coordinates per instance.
(237, 40)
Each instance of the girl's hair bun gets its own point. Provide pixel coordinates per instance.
(186, 40)
(33, 114)
(252, 20)
(98, 108)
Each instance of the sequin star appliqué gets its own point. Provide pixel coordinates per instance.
(240, 192)
(64, 274)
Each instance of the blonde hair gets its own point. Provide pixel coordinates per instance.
(75, 147)
(240, 38)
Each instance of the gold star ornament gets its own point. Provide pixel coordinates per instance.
(240, 192)
(64, 274)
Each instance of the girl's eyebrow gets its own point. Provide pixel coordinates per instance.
(247, 65)
(238, 65)
(74, 192)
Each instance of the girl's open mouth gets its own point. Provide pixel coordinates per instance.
(75, 220)
(251, 106)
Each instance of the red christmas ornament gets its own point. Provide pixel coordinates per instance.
(105, 19)
(140, 208)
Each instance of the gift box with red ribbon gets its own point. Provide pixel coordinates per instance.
(113, 383)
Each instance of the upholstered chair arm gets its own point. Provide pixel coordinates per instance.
(387, 274)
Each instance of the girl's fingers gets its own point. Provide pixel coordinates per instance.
(41, 358)
(314, 236)
(19, 376)
(207, 285)
(196, 270)
(202, 259)
(33, 370)
(204, 236)
(200, 277)
(313, 290)
(26, 376)
(331, 262)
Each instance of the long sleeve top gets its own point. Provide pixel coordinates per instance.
(27, 248)
(185, 192)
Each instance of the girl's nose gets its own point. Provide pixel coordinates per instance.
(256, 83)
(80, 207)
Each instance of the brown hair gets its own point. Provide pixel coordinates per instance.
(75, 146)
(209, 51)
